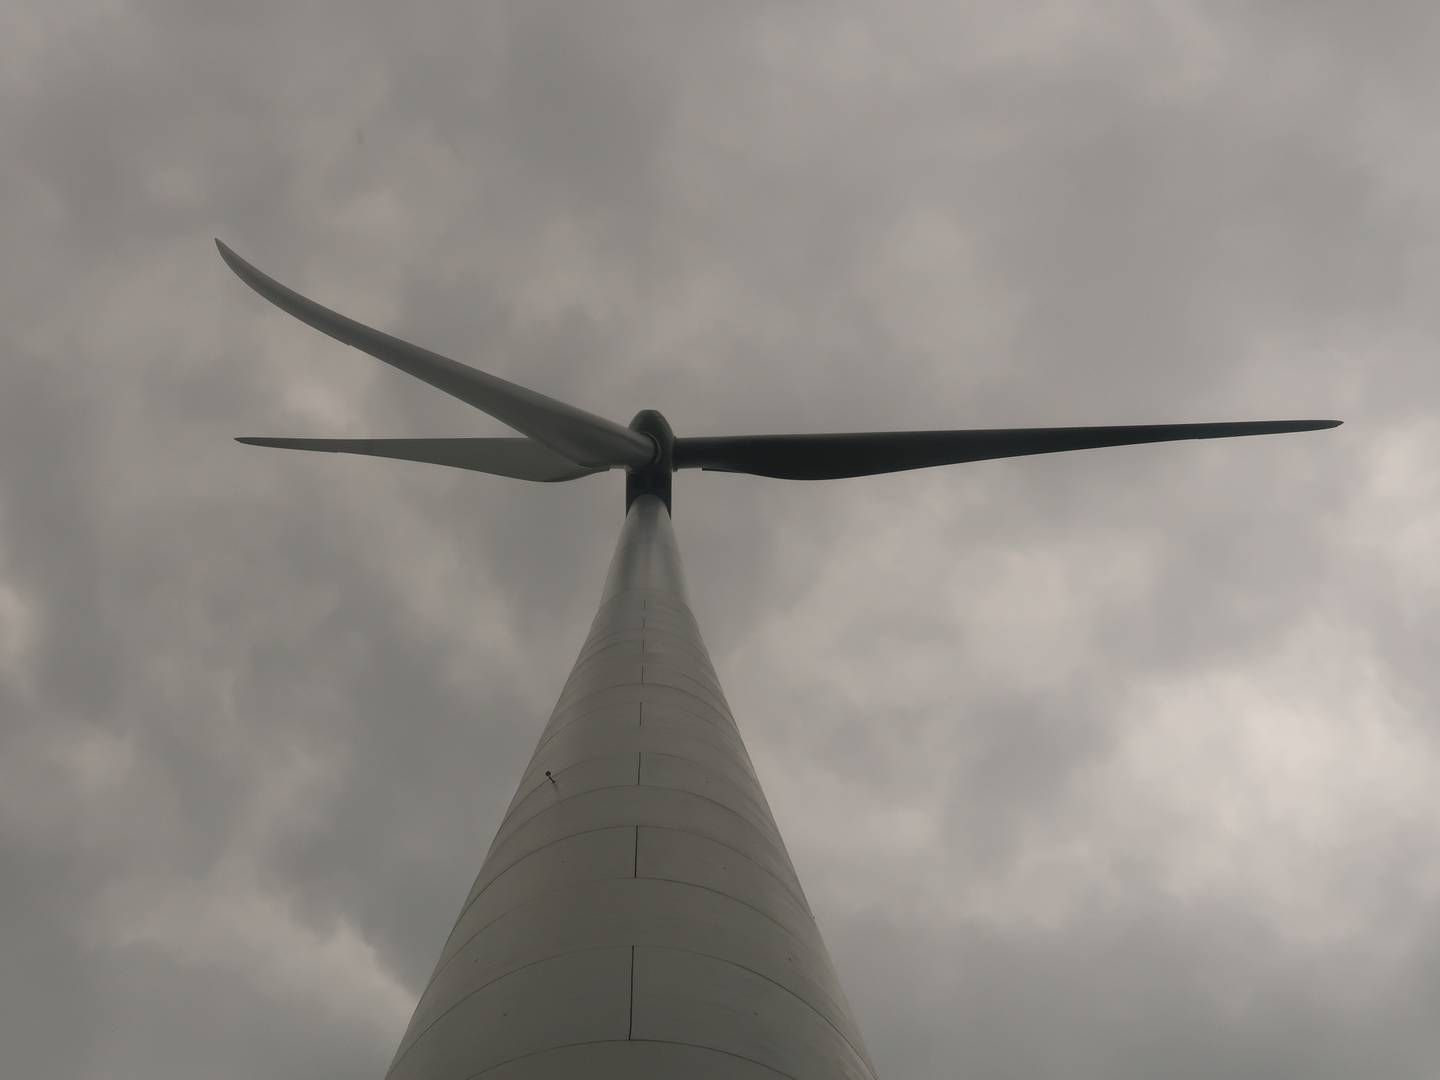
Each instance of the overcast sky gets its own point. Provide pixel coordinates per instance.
(1117, 764)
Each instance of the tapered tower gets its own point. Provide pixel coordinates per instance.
(637, 914)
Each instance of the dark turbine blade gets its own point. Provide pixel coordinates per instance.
(522, 459)
(830, 457)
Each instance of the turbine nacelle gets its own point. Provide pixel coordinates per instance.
(655, 477)
(564, 443)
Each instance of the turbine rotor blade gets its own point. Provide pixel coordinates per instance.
(830, 457)
(584, 438)
(522, 459)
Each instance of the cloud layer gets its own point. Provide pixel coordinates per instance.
(1111, 764)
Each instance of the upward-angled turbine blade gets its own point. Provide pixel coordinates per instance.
(522, 459)
(830, 457)
(584, 438)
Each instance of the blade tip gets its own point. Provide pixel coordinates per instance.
(237, 265)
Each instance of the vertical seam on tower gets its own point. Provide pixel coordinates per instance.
(630, 1030)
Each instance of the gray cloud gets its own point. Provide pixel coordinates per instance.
(1107, 764)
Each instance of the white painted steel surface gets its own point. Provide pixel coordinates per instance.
(637, 914)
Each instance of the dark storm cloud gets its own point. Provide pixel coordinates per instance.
(1108, 764)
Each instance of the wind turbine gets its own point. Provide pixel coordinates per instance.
(637, 914)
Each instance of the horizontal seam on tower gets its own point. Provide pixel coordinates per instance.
(581, 664)
(632, 635)
(567, 886)
(676, 671)
(489, 982)
(864, 1058)
(549, 734)
(645, 595)
(649, 787)
(710, 770)
(550, 729)
(798, 898)
(557, 711)
(633, 590)
(620, 623)
(804, 906)
(589, 652)
(530, 855)
(593, 645)
(706, 766)
(730, 749)
(725, 712)
(744, 760)
(647, 592)
(728, 896)
(732, 738)
(605, 1042)
(642, 637)
(582, 660)
(446, 959)
(539, 785)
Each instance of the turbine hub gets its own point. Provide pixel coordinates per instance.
(652, 478)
